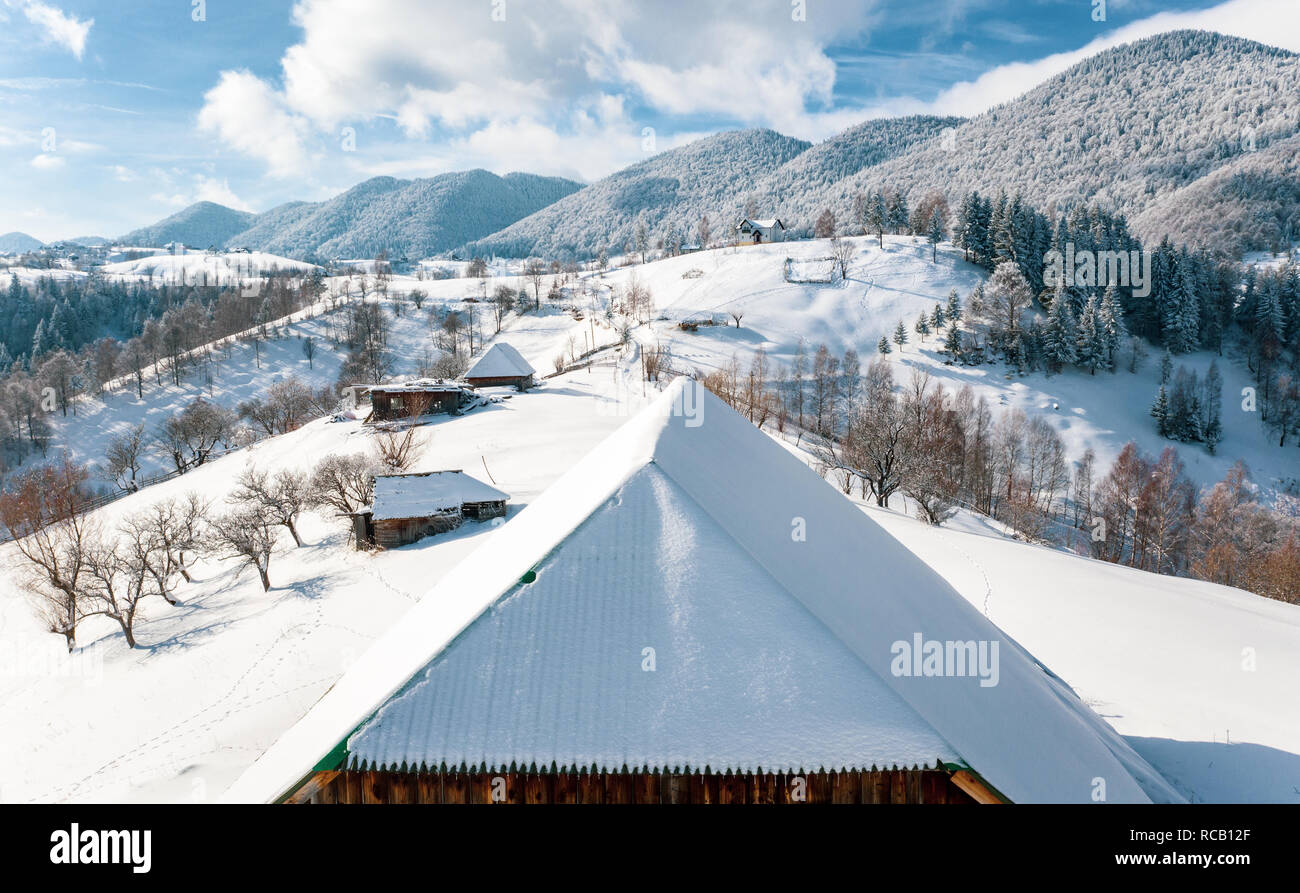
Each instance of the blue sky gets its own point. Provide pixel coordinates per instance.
(110, 119)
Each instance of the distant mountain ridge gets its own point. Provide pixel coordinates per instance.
(413, 218)
(1189, 133)
(721, 176)
(1129, 129)
(200, 225)
(17, 243)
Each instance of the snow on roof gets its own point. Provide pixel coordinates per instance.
(501, 361)
(678, 533)
(427, 493)
(744, 676)
(768, 223)
(419, 386)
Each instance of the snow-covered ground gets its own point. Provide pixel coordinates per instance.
(219, 677)
(201, 268)
(1102, 412)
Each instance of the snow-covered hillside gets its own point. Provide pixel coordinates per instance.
(1100, 412)
(196, 267)
(414, 218)
(1185, 132)
(218, 677)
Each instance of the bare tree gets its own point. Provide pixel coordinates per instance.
(115, 579)
(280, 497)
(343, 482)
(190, 437)
(842, 250)
(535, 270)
(122, 458)
(503, 301)
(42, 509)
(170, 528)
(824, 228)
(249, 536)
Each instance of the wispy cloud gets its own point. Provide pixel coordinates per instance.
(57, 26)
(48, 161)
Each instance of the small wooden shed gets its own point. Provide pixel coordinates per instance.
(416, 398)
(501, 366)
(409, 507)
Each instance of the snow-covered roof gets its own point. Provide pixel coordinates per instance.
(424, 494)
(768, 223)
(772, 604)
(418, 386)
(501, 361)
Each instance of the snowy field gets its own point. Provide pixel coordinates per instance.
(1102, 412)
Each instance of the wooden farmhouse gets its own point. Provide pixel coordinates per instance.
(755, 232)
(501, 366)
(391, 402)
(648, 631)
(409, 507)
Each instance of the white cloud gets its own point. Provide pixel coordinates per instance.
(47, 161)
(450, 73)
(247, 115)
(58, 26)
(209, 189)
(202, 189)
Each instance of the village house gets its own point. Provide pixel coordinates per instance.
(409, 507)
(647, 631)
(501, 366)
(755, 232)
(390, 402)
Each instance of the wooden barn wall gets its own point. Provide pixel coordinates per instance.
(501, 381)
(889, 786)
(392, 533)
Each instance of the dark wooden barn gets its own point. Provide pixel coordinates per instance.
(416, 398)
(409, 507)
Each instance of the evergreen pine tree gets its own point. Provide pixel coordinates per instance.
(922, 326)
(1212, 408)
(952, 342)
(937, 232)
(953, 310)
(1160, 412)
(883, 345)
(900, 335)
(1091, 338)
(1059, 337)
(1113, 330)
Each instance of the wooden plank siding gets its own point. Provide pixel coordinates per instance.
(904, 786)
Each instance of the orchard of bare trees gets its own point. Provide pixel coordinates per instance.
(77, 567)
(942, 450)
